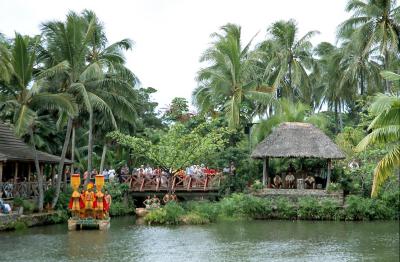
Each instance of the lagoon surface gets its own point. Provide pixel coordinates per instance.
(224, 241)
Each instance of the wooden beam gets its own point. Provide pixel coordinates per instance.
(328, 179)
(265, 171)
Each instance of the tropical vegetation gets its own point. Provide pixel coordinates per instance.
(69, 92)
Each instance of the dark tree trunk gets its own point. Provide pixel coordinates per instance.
(103, 157)
(61, 164)
(73, 150)
(40, 174)
(90, 147)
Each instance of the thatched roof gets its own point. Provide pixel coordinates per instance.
(14, 149)
(292, 139)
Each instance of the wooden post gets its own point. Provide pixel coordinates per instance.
(328, 179)
(1, 172)
(41, 171)
(16, 173)
(29, 179)
(53, 174)
(265, 171)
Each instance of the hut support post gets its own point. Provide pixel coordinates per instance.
(328, 179)
(29, 179)
(1, 172)
(265, 171)
(16, 173)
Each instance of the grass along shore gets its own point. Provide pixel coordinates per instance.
(246, 206)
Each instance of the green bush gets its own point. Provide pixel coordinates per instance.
(392, 199)
(309, 208)
(119, 209)
(193, 218)
(205, 209)
(357, 208)
(333, 187)
(330, 210)
(285, 209)
(257, 185)
(170, 214)
(19, 225)
(28, 206)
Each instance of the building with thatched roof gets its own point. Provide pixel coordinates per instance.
(17, 158)
(296, 140)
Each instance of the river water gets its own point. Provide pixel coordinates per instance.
(224, 241)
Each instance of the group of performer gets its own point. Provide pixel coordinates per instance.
(89, 203)
(151, 203)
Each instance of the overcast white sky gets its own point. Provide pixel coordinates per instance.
(170, 35)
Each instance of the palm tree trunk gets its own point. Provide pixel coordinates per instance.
(73, 150)
(90, 147)
(103, 157)
(290, 81)
(40, 175)
(362, 87)
(386, 66)
(61, 164)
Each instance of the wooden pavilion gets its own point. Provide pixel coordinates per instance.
(297, 140)
(17, 166)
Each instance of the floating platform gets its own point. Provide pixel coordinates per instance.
(88, 223)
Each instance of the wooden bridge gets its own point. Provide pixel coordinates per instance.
(138, 186)
(186, 185)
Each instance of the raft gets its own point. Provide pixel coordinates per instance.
(88, 223)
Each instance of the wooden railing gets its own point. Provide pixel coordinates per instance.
(174, 183)
(22, 189)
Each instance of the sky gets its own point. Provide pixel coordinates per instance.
(170, 35)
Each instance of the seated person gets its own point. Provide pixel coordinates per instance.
(277, 182)
(290, 180)
(309, 182)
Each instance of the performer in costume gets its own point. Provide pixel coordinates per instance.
(147, 202)
(89, 200)
(76, 204)
(100, 204)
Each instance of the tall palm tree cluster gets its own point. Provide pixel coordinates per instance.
(286, 78)
(69, 81)
(243, 81)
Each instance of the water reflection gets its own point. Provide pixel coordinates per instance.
(227, 241)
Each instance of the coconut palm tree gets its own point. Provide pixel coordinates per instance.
(96, 76)
(377, 23)
(385, 129)
(25, 98)
(6, 68)
(225, 85)
(286, 111)
(336, 94)
(291, 57)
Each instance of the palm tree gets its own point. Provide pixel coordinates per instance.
(112, 92)
(286, 111)
(96, 76)
(24, 101)
(377, 23)
(225, 85)
(290, 59)
(336, 94)
(6, 69)
(385, 129)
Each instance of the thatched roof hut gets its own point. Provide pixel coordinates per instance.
(17, 158)
(300, 140)
(293, 139)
